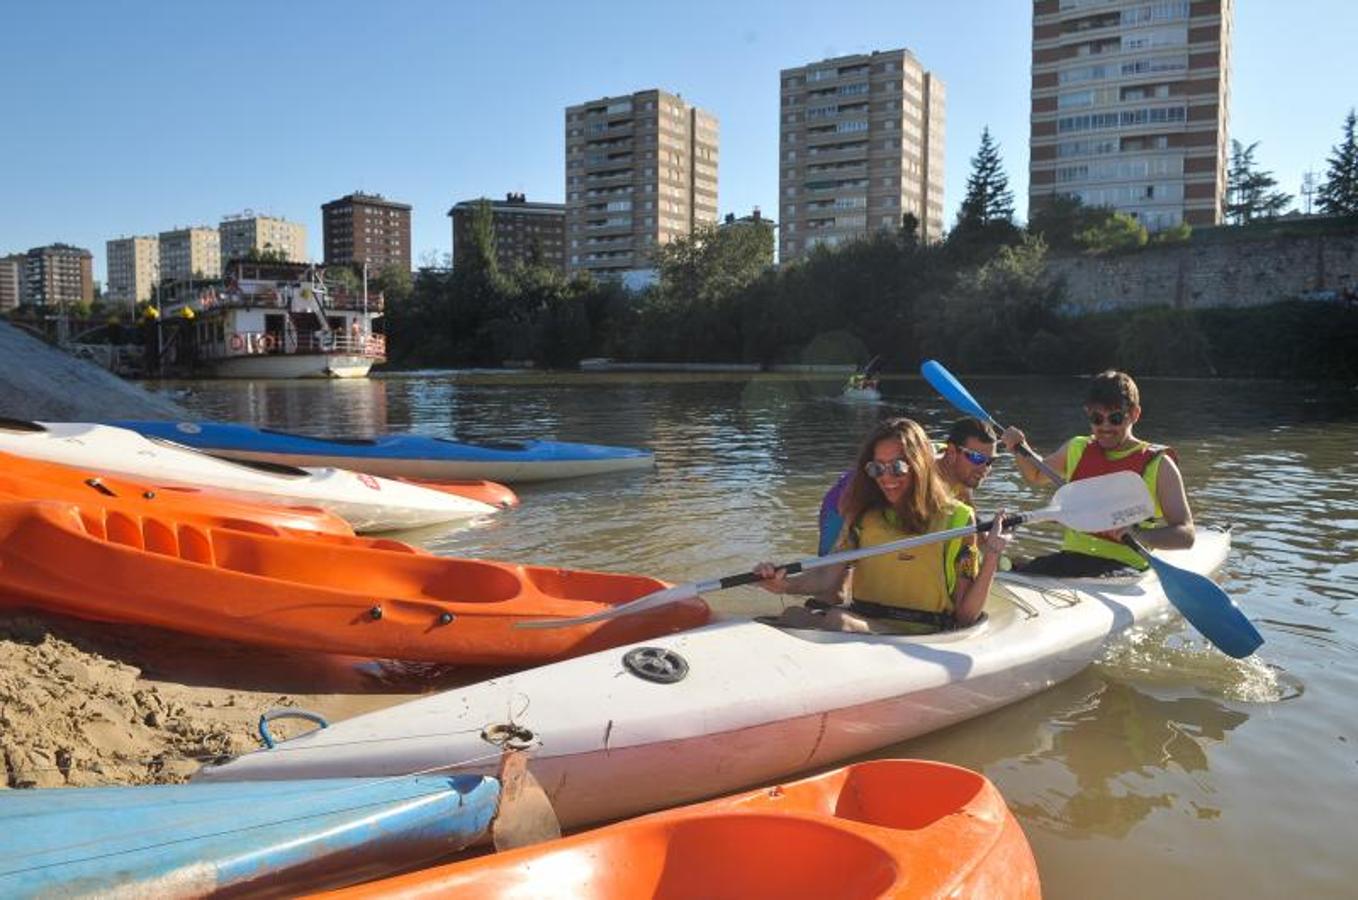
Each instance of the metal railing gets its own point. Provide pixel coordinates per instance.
(265, 343)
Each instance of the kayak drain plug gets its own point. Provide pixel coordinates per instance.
(376, 612)
(509, 736)
(446, 618)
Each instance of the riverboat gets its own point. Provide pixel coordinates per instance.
(272, 320)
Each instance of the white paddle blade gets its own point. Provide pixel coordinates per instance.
(1105, 503)
(675, 594)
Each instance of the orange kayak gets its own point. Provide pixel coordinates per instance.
(23, 478)
(255, 584)
(887, 828)
(489, 492)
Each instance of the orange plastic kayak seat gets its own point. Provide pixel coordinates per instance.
(255, 584)
(33, 479)
(490, 492)
(887, 828)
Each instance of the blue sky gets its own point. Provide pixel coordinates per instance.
(133, 118)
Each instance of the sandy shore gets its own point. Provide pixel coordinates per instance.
(94, 704)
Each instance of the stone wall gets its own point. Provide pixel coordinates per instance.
(1213, 273)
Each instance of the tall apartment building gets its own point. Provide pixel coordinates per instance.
(245, 232)
(11, 281)
(524, 231)
(641, 170)
(861, 144)
(190, 253)
(58, 275)
(366, 228)
(132, 264)
(1130, 106)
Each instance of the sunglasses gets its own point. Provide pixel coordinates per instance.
(975, 457)
(897, 467)
(1114, 418)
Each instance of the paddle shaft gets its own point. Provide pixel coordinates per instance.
(844, 556)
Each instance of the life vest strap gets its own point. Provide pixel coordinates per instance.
(868, 609)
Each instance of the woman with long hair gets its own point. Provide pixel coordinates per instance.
(898, 492)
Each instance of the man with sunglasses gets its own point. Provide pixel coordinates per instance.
(968, 456)
(1112, 406)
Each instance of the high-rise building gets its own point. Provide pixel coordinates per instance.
(524, 232)
(132, 264)
(366, 228)
(264, 234)
(190, 253)
(58, 275)
(1130, 106)
(861, 144)
(641, 170)
(11, 281)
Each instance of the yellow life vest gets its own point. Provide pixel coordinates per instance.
(1092, 544)
(922, 578)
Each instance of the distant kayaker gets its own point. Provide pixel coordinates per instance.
(1113, 406)
(897, 491)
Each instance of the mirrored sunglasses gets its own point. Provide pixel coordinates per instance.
(897, 467)
(975, 457)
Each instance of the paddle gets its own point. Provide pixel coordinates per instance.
(1198, 598)
(1091, 504)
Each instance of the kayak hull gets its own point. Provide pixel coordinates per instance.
(252, 584)
(22, 478)
(367, 503)
(888, 828)
(192, 840)
(757, 702)
(404, 455)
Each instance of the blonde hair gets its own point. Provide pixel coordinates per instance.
(928, 494)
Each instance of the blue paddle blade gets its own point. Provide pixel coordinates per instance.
(1208, 609)
(943, 381)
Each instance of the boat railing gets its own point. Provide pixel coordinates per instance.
(271, 298)
(268, 343)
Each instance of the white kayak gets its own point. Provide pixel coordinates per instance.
(755, 702)
(367, 502)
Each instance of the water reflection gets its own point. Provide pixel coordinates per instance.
(1117, 743)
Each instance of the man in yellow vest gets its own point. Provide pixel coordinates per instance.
(1113, 406)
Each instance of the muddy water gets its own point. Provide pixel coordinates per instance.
(1164, 770)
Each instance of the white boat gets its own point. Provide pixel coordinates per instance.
(615, 733)
(860, 395)
(272, 320)
(367, 502)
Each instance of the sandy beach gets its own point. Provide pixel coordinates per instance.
(94, 704)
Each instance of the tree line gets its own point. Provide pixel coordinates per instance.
(978, 298)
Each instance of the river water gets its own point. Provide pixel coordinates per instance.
(1164, 770)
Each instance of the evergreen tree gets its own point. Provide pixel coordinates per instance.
(1249, 190)
(1339, 194)
(988, 197)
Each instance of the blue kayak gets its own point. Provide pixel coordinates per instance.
(193, 839)
(402, 455)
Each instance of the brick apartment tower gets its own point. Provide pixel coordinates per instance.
(641, 170)
(1130, 106)
(523, 231)
(861, 143)
(366, 228)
